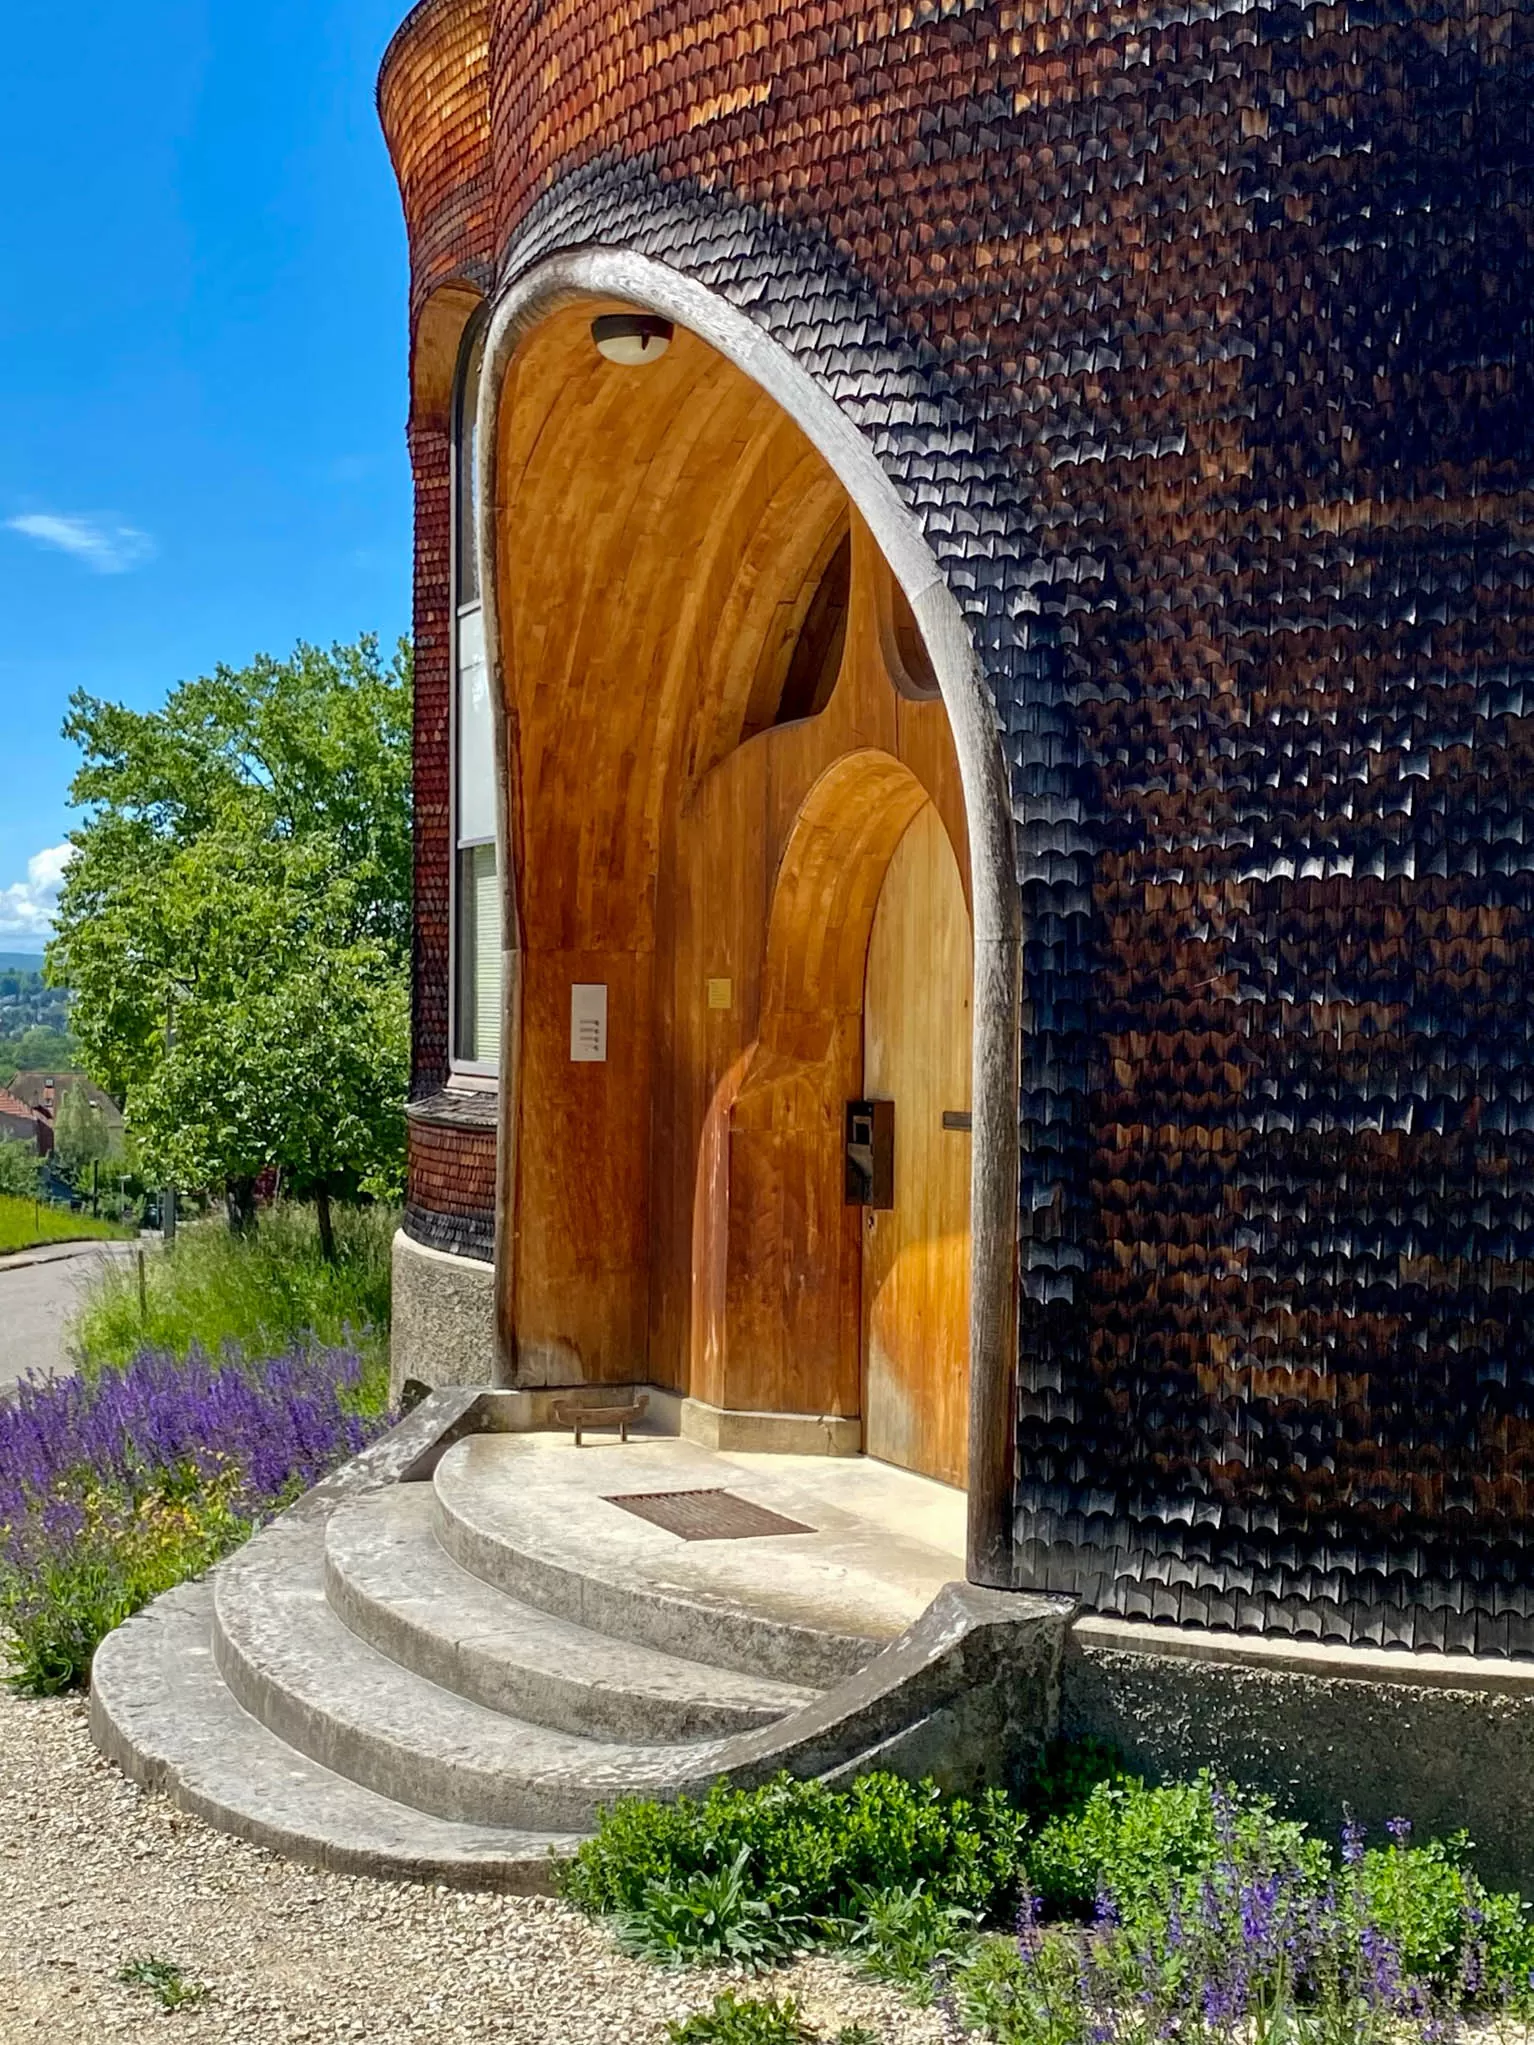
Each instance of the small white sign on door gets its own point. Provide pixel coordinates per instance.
(588, 1024)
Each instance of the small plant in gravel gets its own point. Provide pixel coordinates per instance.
(713, 1918)
(735, 2020)
(115, 1487)
(165, 1981)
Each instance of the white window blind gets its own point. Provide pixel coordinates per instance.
(479, 956)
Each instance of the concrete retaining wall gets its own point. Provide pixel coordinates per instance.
(1322, 1731)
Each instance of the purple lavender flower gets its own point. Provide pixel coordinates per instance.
(1352, 1841)
(1030, 1938)
(83, 1461)
(1399, 1830)
(1472, 1969)
(1380, 1982)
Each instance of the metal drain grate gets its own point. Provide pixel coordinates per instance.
(707, 1515)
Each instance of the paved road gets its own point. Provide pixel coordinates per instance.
(39, 1290)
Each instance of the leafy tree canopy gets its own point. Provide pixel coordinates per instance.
(235, 922)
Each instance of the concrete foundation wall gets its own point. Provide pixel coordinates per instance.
(1445, 1757)
(444, 1317)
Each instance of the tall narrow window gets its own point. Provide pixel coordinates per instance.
(476, 880)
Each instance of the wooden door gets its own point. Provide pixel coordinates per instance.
(916, 1052)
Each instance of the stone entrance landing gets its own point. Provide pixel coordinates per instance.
(525, 1511)
(447, 1659)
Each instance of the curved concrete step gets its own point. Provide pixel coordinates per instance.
(161, 1713)
(292, 1664)
(532, 1516)
(387, 1577)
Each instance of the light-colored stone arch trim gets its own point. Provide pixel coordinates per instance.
(649, 286)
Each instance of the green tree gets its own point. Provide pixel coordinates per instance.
(235, 922)
(82, 1136)
(20, 1173)
(38, 1050)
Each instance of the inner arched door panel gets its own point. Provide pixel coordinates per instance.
(916, 1252)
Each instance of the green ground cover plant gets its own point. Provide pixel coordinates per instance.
(258, 1293)
(27, 1224)
(1094, 1909)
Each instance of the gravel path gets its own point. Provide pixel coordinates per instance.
(93, 1874)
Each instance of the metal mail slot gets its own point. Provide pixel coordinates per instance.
(958, 1118)
(870, 1180)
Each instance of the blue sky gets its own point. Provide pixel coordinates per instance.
(202, 365)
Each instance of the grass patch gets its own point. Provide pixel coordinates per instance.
(260, 1295)
(1138, 1914)
(27, 1224)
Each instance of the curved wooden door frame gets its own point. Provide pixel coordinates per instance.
(526, 300)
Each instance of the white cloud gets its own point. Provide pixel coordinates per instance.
(101, 542)
(27, 906)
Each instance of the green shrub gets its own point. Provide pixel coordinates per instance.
(732, 2020)
(1068, 1773)
(1179, 1900)
(260, 1294)
(811, 1850)
(1142, 1844)
(1431, 1903)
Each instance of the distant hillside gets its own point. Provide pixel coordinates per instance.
(34, 1019)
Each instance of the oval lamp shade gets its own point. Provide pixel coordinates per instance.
(631, 337)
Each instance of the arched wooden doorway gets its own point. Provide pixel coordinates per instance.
(812, 1301)
(662, 559)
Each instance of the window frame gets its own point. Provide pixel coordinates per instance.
(470, 1073)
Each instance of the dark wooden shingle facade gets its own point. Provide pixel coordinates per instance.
(1200, 340)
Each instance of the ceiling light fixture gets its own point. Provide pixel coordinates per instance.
(631, 337)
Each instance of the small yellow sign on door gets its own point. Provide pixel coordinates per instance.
(720, 994)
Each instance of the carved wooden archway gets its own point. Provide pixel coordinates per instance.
(689, 529)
